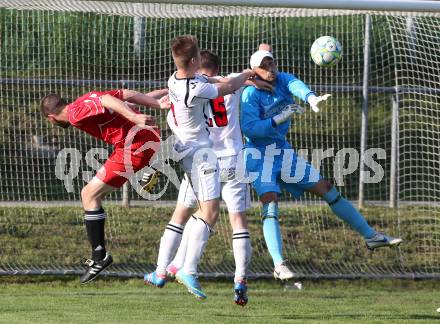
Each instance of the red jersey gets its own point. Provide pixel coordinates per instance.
(88, 114)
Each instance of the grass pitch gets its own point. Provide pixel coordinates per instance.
(55, 300)
(313, 238)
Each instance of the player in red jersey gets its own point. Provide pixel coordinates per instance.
(108, 116)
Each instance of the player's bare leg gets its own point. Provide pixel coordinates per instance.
(272, 235)
(94, 219)
(345, 211)
(241, 245)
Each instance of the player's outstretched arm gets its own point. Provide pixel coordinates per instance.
(140, 99)
(158, 94)
(227, 86)
(259, 84)
(299, 89)
(120, 107)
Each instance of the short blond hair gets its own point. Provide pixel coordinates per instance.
(184, 48)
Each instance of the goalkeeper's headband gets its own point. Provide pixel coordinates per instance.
(258, 57)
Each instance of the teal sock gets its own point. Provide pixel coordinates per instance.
(345, 211)
(272, 232)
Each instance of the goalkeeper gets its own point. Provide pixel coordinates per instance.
(265, 120)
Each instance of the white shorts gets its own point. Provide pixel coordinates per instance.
(235, 194)
(202, 174)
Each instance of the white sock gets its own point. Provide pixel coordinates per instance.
(198, 238)
(179, 259)
(241, 245)
(168, 245)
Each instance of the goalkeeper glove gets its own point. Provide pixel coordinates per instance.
(314, 101)
(286, 113)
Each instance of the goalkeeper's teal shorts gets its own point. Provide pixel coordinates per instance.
(285, 170)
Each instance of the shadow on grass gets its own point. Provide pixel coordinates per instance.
(362, 316)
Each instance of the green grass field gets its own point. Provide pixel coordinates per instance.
(312, 236)
(63, 300)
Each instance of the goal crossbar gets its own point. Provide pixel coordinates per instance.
(388, 5)
(225, 8)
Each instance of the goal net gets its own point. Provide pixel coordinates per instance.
(73, 47)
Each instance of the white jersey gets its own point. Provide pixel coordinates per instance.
(224, 124)
(190, 100)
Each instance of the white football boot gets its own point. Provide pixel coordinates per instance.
(282, 272)
(380, 239)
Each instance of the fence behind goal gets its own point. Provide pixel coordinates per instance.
(74, 47)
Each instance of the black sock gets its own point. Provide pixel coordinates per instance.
(94, 221)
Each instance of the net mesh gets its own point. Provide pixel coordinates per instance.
(72, 47)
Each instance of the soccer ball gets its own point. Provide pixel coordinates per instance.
(326, 51)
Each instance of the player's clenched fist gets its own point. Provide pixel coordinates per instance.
(165, 102)
(249, 73)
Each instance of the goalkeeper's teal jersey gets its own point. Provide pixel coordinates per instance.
(259, 106)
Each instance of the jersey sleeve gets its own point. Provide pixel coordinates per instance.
(296, 86)
(252, 125)
(86, 108)
(233, 75)
(206, 91)
(115, 93)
